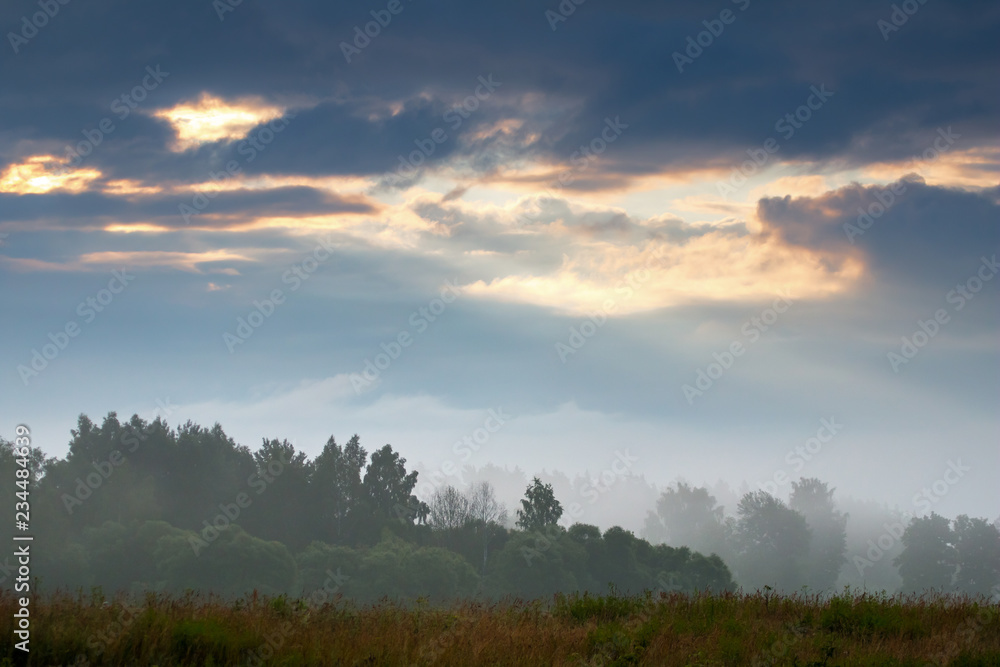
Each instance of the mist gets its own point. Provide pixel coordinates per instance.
(139, 506)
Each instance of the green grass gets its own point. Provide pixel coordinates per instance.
(703, 630)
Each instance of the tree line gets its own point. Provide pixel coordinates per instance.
(138, 506)
(804, 543)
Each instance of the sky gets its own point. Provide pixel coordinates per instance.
(735, 241)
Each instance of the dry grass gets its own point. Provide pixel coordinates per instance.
(731, 629)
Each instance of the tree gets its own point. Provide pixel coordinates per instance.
(233, 564)
(687, 516)
(326, 571)
(622, 564)
(122, 557)
(771, 542)
(707, 573)
(539, 508)
(278, 491)
(929, 557)
(389, 487)
(195, 468)
(36, 461)
(599, 572)
(871, 563)
(449, 509)
(487, 512)
(337, 486)
(535, 565)
(813, 499)
(977, 546)
(402, 570)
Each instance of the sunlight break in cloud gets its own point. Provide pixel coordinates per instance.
(39, 174)
(211, 119)
(713, 267)
(182, 261)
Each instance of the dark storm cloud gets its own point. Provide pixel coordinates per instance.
(234, 207)
(604, 61)
(907, 230)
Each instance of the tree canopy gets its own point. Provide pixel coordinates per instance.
(140, 506)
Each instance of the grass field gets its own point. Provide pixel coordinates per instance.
(729, 629)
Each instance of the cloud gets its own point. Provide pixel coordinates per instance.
(559, 87)
(576, 258)
(216, 209)
(486, 203)
(905, 231)
(210, 119)
(101, 261)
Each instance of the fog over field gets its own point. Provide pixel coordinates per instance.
(670, 259)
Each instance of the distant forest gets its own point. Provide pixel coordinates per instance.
(139, 506)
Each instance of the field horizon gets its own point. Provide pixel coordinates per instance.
(756, 629)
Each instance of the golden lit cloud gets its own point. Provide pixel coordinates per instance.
(507, 126)
(339, 185)
(139, 259)
(39, 174)
(392, 226)
(211, 118)
(137, 227)
(131, 187)
(182, 261)
(336, 185)
(812, 185)
(973, 167)
(715, 266)
(711, 206)
(29, 264)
